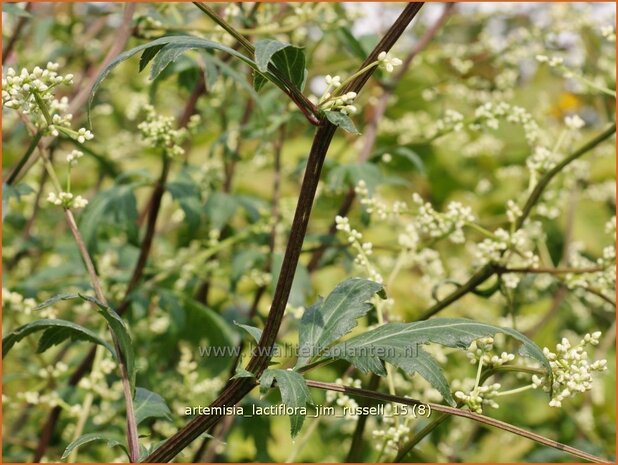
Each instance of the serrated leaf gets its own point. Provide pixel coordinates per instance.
(119, 328)
(342, 121)
(167, 55)
(287, 59)
(174, 46)
(147, 56)
(400, 344)
(148, 404)
(325, 322)
(112, 441)
(264, 50)
(294, 393)
(56, 331)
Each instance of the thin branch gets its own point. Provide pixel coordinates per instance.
(547, 178)
(237, 389)
(460, 413)
(136, 276)
(489, 270)
(309, 109)
(132, 437)
(594, 269)
(371, 128)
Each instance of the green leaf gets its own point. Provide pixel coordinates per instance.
(168, 54)
(169, 49)
(351, 43)
(301, 285)
(203, 321)
(287, 59)
(341, 120)
(116, 205)
(112, 441)
(54, 300)
(119, 328)
(187, 193)
(325, 322)
(242, 262)
(219, 208)
(148, 55)
(258, 81)
(149, 405)
(56, 331)
(350, 175)
(404, 153)
(400, 344)
(242, 373)
(255, 333)
(294, 393)
(211, 73)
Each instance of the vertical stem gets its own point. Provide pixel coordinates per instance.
(237, 389)
(132, 438)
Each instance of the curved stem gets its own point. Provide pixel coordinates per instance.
(460, 413)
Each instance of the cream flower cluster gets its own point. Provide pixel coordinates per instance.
(374, 206)
(331, 101)
(388, 62)
(541, 161)
(494, 249)
(363, 249)
(159, 131)
(395, 429)
(74, 156)
(19, 89)
(449, 224)
(16, 302)
(479, 397)
(32, 94)
(341, 399)
(67, 200)
(489, 114)
(571, 370)
(482, 350)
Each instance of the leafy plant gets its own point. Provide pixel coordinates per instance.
(281, 215)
